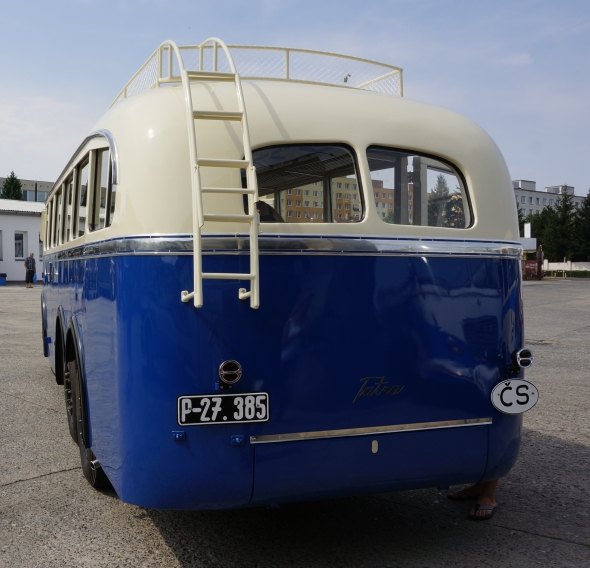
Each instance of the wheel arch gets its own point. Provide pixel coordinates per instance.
(60, 333)
(44, 325)
(74, 351)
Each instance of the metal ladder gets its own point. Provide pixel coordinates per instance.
(251, 190)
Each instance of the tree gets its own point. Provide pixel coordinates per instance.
(455, 211)
(437, 202)
(390, 218)
(558, 238)
(12, 188)
(581, 232)
(540, 224)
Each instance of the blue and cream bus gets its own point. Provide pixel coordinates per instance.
(269, 277)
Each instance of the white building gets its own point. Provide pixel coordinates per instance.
(532, 201)
(20, 226)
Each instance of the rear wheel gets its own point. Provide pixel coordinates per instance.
(92, 471)
(44, 326)
(70, 399)
(60, 356)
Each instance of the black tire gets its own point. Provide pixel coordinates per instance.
(44, 327)
(94, 475)
(70, 398)
(60, 354)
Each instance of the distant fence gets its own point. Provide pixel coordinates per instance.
(567, 266)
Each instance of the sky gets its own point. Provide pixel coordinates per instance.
(519, 68)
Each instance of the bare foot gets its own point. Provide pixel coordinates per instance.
(484, 508)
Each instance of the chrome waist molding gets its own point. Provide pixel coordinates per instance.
(293, 245)
(371, 430)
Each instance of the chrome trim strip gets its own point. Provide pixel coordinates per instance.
(114, 152)
(295, 245)
(114, 156)
(350, 432)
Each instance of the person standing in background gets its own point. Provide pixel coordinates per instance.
(31, 269)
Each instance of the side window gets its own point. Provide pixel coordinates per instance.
(69, 209)
(58, 216)
(101, 190)
(413, 189)
(303, 167)
(49, 224)
(20, 245)
(82, 187)
(111, 200)
(84, 202)
(64, 215)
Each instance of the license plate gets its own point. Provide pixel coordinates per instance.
(223, 409)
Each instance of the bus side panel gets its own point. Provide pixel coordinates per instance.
(50, 291)
(61, 291)
(100, 332)
(49, 294)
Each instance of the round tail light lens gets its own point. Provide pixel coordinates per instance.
(230, 372)
(523, 358)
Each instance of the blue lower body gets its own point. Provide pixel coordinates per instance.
(440, 329)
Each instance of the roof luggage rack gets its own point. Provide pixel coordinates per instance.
(258, 63)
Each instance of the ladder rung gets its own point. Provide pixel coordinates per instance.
(238, 190)
(210, 76)
(211, 163)
(222, 217)
(227, 276)
(217, 115)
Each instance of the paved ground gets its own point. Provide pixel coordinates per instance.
(50, 517)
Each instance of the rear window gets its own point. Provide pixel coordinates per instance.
(416, 189)
(307, 183)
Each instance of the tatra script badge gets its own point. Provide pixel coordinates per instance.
(381, 387)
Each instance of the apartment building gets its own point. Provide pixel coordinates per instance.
(384, 201)
(532, 201)
(307, 201)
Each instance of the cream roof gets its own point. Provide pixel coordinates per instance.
(154, 185)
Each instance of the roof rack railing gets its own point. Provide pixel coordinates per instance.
(256, 63)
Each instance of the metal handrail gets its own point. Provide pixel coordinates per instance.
(323, 71)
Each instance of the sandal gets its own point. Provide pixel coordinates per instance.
(463, 495)
(478, 507)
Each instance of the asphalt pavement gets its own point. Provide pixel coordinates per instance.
(51, 517)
